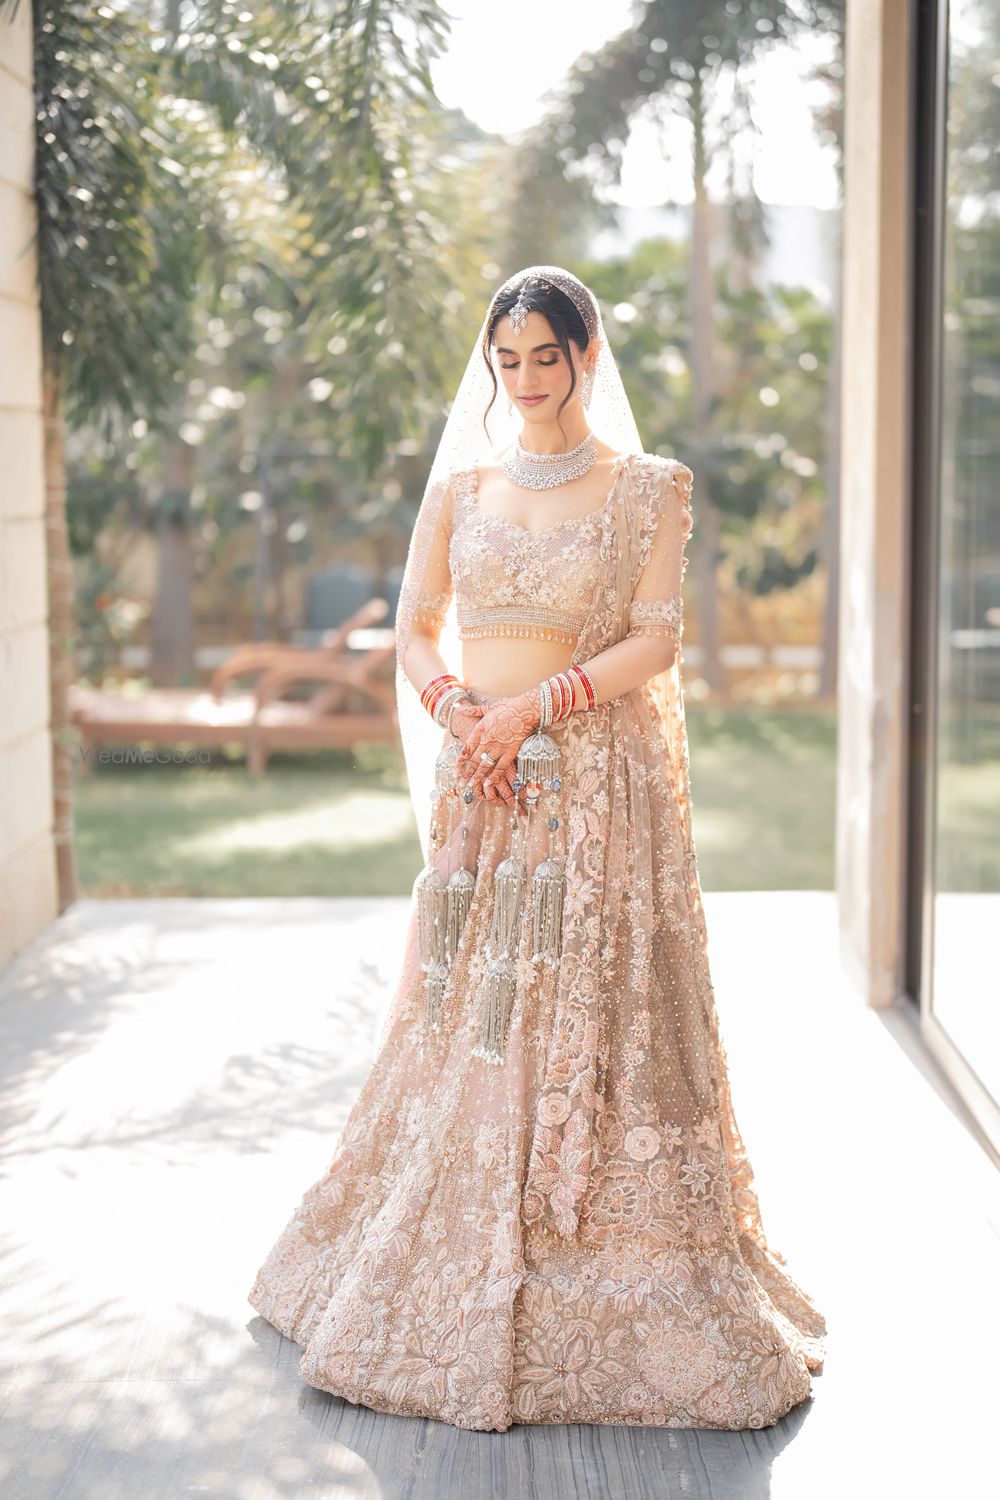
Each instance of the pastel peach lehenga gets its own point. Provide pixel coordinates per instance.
(540, 1208)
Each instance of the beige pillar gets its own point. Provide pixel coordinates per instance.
(872, 719)
(27, 865)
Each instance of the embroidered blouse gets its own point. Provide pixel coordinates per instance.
(510, 581)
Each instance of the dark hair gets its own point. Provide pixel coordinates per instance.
(563, 317)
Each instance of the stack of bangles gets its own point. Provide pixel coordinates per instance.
(557, 696)
(440, 696)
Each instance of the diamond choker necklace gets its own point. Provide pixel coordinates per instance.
(543, 471)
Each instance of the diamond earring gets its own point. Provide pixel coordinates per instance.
(588, 386)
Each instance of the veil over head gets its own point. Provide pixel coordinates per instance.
(465, 442)
(638, 738)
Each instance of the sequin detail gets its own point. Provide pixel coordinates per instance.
(432, 608)
(572, 1233)
(511, 581)
(657, 617)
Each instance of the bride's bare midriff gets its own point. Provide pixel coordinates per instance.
(510, 665)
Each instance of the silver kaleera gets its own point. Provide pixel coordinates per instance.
(508, 891)
(460, 890)
(501, 987)
(432, 914)
(538, 770)
(538, 765)
(462, 882)
(538, 759)
(442, 905)
(432, 911)
(548, 886)
(500, 984)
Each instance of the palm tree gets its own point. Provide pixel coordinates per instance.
(669, 59)
(342, 106)
(341, 109)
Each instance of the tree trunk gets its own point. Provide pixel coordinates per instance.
(59, 569)
(173, 623)
(701, 295)
(283, 615)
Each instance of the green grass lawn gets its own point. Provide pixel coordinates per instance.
(763, 788)
(336, 825)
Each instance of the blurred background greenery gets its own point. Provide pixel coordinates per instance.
(266, 242)
(339, 823)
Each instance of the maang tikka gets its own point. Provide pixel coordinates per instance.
(518, 314)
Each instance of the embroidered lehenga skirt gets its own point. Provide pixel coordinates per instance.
(540, 1208)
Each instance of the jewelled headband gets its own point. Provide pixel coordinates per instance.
(550, 276)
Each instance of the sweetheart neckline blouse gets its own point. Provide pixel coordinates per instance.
(511, 580)
(471, 497)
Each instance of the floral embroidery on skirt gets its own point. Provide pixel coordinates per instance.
(573, 1234)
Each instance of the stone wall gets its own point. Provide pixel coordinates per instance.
(27, 864)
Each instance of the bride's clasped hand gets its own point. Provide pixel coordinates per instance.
(497, 734)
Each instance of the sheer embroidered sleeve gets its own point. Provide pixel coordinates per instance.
(657, 605)
(436, 585)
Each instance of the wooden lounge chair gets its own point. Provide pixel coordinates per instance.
(317, 699)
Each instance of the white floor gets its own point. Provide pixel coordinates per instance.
(173, 1076)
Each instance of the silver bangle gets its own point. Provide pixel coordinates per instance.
(442, 705)
(459, 698)
(545, 704)
(447, 700)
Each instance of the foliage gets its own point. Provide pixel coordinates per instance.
(375, 191)
(671, 54)
(151, 139)
(111, 217)
(254, 146)
(765, 462)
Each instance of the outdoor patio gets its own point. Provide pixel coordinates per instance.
(174, 1075)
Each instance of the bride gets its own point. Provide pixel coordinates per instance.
(540, 1208)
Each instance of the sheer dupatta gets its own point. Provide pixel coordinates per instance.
(638, 736)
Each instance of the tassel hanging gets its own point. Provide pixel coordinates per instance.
(432, 912)
(538, 759)
(443, 905)
(508, 890)
(547, 891)
(459, 899)
(445, 780)
(501, 986)
(539, 764)
(434, 987)
(500, 983)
